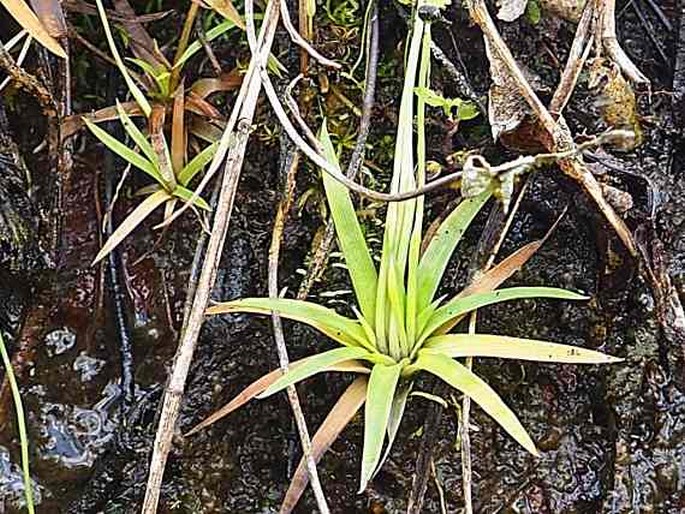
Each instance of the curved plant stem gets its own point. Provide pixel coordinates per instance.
(21, 423)
(320, 255)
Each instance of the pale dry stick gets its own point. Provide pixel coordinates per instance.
(302, 42)
(613, 49)
(558, 136)
(284, 361)
(176, 386)
(20, 59)
(466, 469)
(274, 251)
(580, 49)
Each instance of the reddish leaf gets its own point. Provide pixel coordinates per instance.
(50, 14)
(178, 135)
(226, 82)
(259, 386)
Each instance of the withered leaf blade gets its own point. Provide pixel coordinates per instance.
(50, 14)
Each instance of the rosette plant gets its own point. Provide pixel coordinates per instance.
(400, 329)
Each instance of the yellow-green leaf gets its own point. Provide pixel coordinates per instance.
(313, 365)
(379, 399)
(505, 347)
(339, 328)
(352, 243)
(132, 221)
(461, 378)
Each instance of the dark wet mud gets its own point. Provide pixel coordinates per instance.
(612, 439)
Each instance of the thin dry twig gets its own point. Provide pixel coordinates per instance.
(176, 386)
(29, 83)
(611, 46)
(580, 49)
(557, 137)
(302, 42)
(284, 361)
(274, 251)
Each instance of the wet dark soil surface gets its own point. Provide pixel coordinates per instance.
(612, 439)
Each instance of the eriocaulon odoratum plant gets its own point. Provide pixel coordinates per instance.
(400, 328)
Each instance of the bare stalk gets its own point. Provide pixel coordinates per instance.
(176, 386)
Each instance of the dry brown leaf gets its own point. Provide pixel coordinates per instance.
(28, 20)
(50, 14)
(259, 386)
(142, 44)
(226, 82)
(338, 418)
(72, 124)
(178, 134)
(197, 105)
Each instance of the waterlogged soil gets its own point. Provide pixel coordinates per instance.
(612, 439)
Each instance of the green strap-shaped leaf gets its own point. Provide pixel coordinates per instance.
(505, 347)
(399, 402)
(437, 255)
(186, 195)
(138, 137)
(461, 378)
(313, 365)
(379, 398)
(352, 243)
(123, 151)
(196, 46)
(460, 306)
(197, 164)
(337, 327)
(132, 221)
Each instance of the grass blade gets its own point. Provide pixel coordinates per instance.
(132, 221)
(352, 243)
(379, 399)
(313, 365)
(462, 305)
(196, 164)
(21, 424)
(28, 20)
(135, 90)
(123, 151)
(505, 347)
(437, 255)
(461, 378)
(338, 418)
(337, 327)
